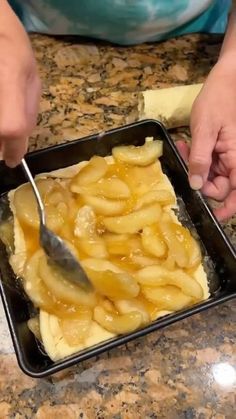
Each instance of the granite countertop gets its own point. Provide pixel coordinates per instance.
(185, 371)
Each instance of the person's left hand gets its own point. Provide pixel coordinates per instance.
(212, 156)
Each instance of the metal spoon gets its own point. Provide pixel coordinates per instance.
(55, 248)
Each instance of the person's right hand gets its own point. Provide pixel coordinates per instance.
(19, 87)
(212, 156)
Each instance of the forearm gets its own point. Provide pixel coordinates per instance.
(228, 49)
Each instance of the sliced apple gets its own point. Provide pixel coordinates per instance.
(111, 188)
(26, 205)
(153, 242)
(91, 173)
(182, 246)
(119, 324)
(139, 156)
(76, 330)
(129, 306)
(167, 298)
(109, 280)
(159, 276)
(122, 244)
(94, 248)
(133, 222)
(63, 289)
(163, 197)
(104, 206)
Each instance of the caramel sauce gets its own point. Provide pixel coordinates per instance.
(31, 238)
(139, 180)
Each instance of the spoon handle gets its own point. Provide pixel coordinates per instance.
(35, 190)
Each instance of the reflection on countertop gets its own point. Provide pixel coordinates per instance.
(185, 371)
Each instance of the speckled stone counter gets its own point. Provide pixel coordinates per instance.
(185, 371)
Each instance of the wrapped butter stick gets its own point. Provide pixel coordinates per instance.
(172, 106)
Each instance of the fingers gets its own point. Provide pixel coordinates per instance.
(218, 188)
(204, 137)
(232, 178)
(14, 150)
(13, 129)
(183, 150)
(33, 94)
(18, 112)
(221, 189)
(228, 209)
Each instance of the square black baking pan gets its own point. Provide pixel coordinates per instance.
(219, 254)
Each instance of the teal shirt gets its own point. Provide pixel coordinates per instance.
(123, 21)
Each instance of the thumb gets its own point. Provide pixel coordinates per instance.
(204, 137)
(13, 122)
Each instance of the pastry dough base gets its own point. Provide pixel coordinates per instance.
(171, 106)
